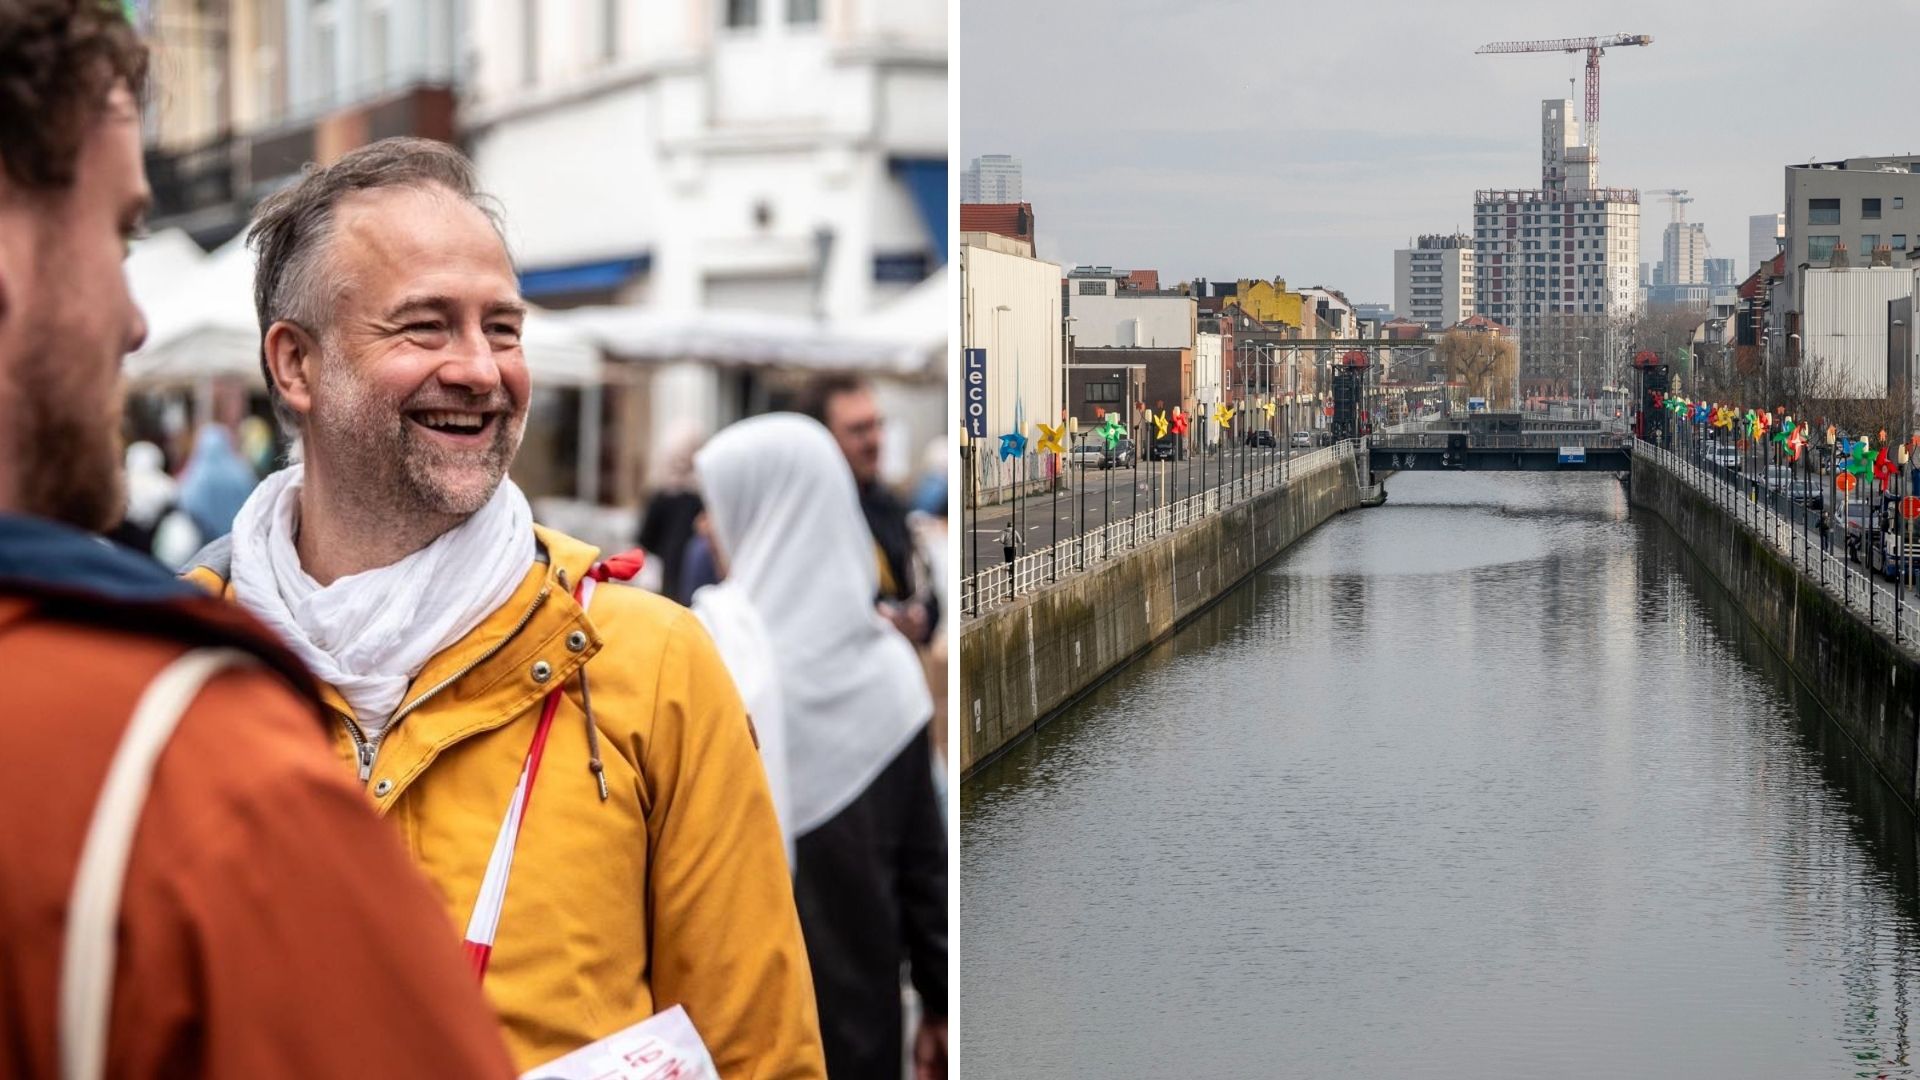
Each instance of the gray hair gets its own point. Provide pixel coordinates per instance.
(292, 229)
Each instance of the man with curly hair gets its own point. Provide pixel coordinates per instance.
(261, 896)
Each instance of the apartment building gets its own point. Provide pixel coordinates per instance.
(1433, 281)
(1558, 263)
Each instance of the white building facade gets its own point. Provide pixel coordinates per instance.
(1010, 306)
(765, 156)
(1559, 263)
(1207, 370)
(1433, 281)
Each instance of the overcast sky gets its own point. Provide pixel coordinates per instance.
(1248, 138)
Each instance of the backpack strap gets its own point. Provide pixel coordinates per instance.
(93, 908)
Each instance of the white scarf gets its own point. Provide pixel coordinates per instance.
(799, 556)
(369, 634)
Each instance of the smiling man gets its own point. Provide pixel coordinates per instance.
(506, 718)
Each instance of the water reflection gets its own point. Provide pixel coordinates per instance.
(1488, 782)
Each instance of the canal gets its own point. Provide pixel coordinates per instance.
(1488, 782)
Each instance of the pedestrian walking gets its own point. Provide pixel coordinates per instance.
(848, 700)
(454, 635)
(846, 405)
(1010, 542)
(1826, 529)
(191, 887)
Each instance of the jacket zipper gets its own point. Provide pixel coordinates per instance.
(367, 749)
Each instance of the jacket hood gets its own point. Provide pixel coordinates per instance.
(79, 577)
(40, 556)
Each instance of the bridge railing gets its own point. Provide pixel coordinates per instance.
(1003, 582)
(1885, 609)
(1590, 440)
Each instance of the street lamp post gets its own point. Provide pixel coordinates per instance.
(1018, 528)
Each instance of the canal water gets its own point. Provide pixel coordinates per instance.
(1488, 782)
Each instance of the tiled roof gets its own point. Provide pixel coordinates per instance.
(1006, 219)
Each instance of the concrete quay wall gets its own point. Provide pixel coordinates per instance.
(1023, 662)
(1865, 683)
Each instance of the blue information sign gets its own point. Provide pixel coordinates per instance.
(974, 396)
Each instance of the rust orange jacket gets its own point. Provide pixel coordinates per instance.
(270, 925)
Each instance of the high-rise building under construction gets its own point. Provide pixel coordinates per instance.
(1558, 263)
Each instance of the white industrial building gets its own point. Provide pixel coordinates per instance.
(1010, 307)
(1433, 280)
(1843, 328)
(1558, 263)
(732, 161)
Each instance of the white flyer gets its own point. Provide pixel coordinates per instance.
(662, 1047)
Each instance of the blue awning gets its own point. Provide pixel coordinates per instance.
(582, 277)
(926, 180)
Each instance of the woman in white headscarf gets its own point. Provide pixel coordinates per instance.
(842, 706)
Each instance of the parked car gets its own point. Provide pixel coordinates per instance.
(1089, 453)
(1168, 448)
(1893, 557)
(1799, 486)
(1725, 455)
(1122, 456)
(1261, 438)
(1302, 438)
(1323, 437)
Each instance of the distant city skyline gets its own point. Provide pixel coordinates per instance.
(1211, 157)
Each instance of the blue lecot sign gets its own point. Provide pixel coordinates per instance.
(974, 395)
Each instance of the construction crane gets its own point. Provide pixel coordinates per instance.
(1676, 198)
(1593, 46)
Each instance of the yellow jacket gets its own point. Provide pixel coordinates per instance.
(675, 890)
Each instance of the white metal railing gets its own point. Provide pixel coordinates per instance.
(1002, 582)
(1885, 609)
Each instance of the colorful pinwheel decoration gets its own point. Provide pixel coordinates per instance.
(1013, 445)
(1049, 442)
(1222, 415)
(1796, 441)
(1883, 470)
(1268, 409)
(1860, 459)
(1180, 422)
(1159, 424)
(1111, 431)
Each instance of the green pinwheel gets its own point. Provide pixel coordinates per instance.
(1111, 431)
(1861, 463)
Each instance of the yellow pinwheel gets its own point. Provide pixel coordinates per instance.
(1268, 408)
(1222, 415)
(1049, 441)
(1159, 424)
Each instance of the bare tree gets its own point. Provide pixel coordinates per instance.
(1485, 362)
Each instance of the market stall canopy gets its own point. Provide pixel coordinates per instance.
(918, 319)
(161, 262)
(201, 325)
(907, 337)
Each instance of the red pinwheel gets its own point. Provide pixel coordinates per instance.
(1179, 423)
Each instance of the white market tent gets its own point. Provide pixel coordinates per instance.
(907, 337)
(201, 323)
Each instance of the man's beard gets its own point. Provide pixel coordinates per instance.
(390, 463)
(67, 461)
